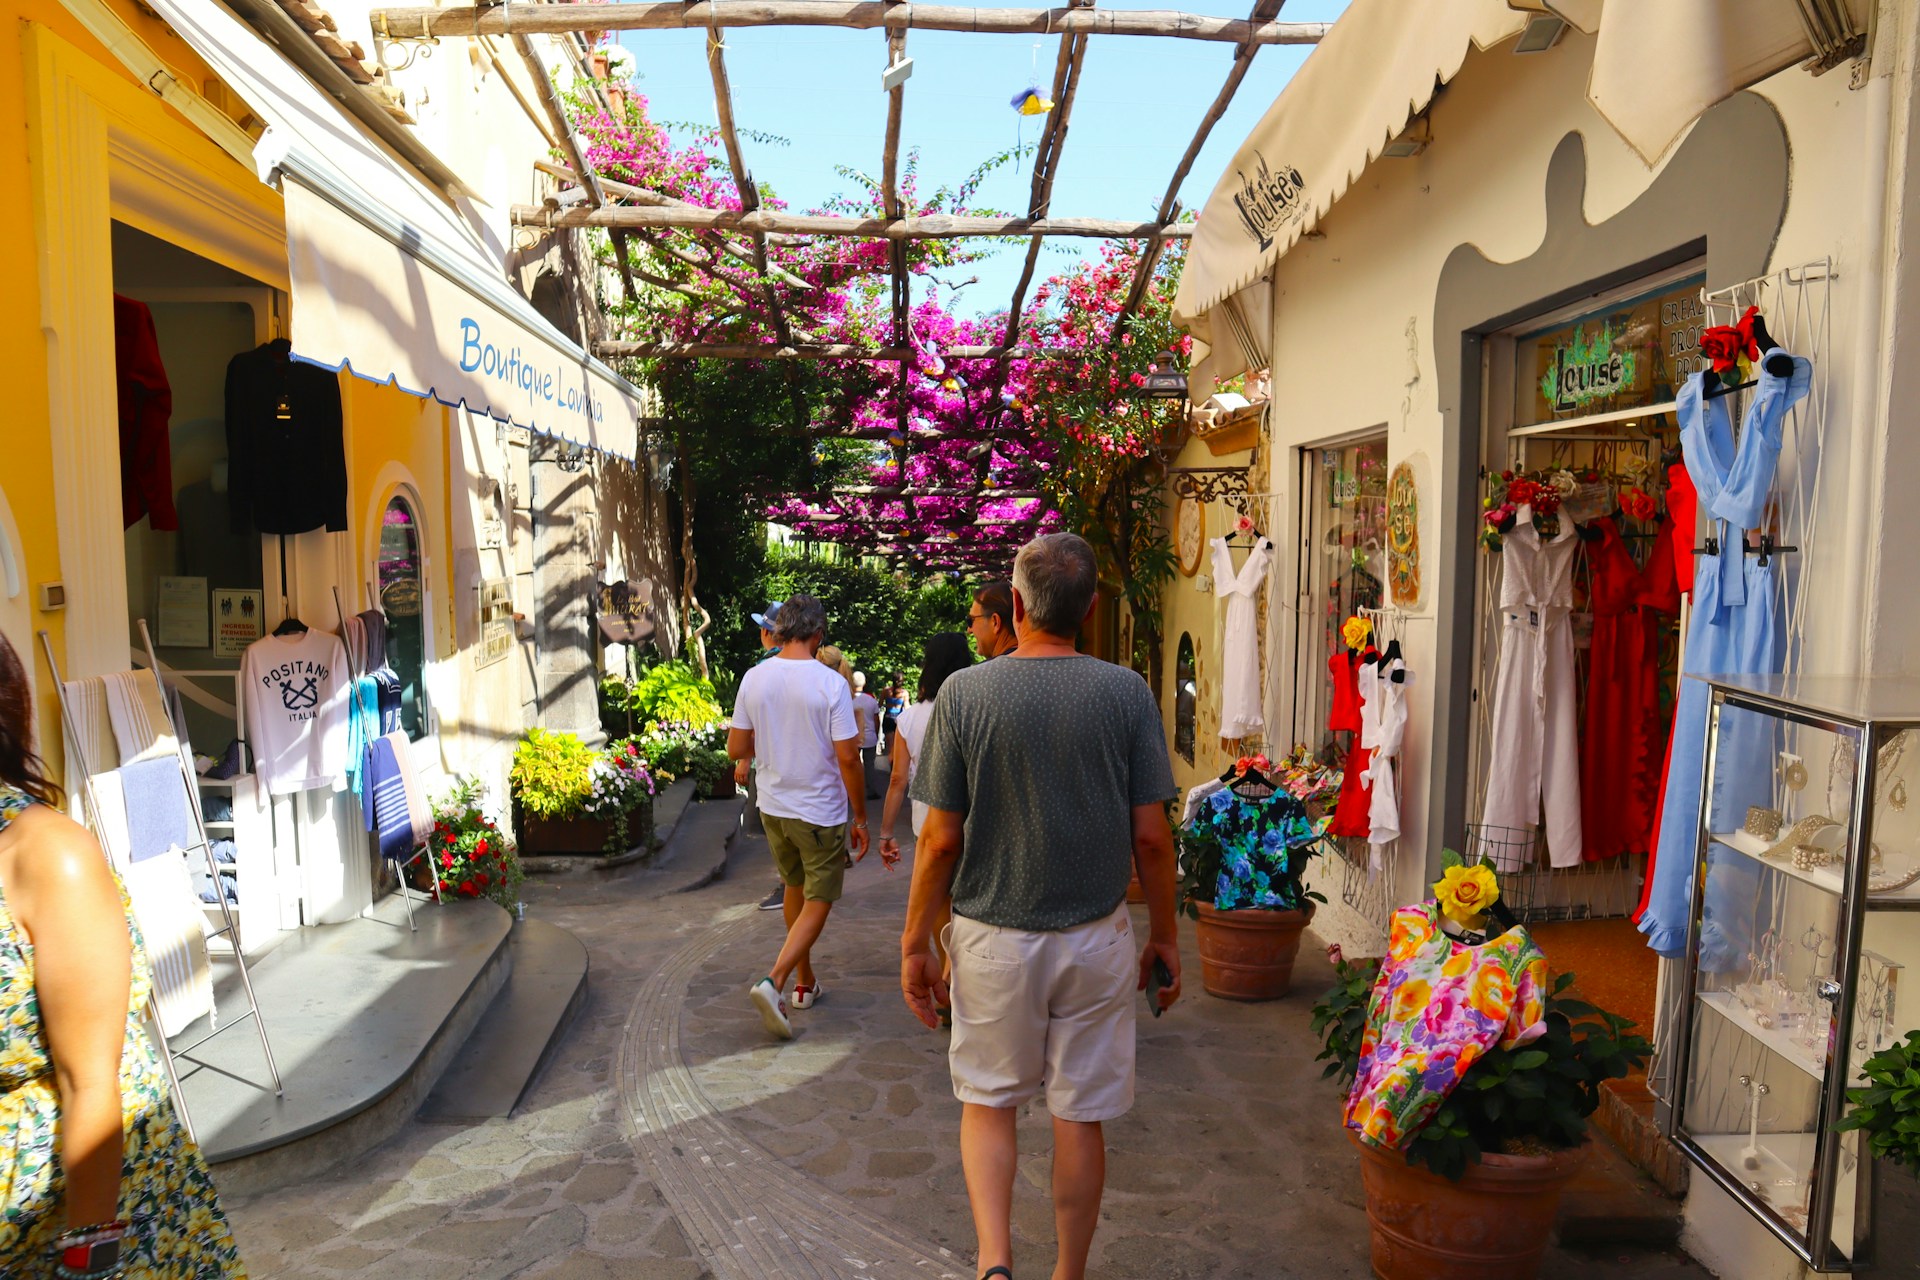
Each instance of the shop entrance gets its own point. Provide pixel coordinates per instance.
(1573, 691)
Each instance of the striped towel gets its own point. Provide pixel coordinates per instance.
(174, 929)
(391, 815)
(88, 741)
(141, 724)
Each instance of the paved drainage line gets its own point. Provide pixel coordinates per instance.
(748, 1213)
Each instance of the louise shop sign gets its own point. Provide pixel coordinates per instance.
(1269, 200)
(537, 384)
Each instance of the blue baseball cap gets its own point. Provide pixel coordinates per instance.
(765, 620)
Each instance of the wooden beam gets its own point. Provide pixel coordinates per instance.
(418, 23)
(931, 227)
(743, 180)
(902, 281)
(795, 351)
(894, 493)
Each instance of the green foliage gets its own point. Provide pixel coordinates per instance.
(1535, 1095)
(667, 692)
(550, 774)
(880, 619)
(1887, 1106)
(712, 772)
(1340, 1017)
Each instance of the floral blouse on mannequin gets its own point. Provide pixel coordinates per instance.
(1437, 1007)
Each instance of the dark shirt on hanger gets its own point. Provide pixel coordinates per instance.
(286, 447)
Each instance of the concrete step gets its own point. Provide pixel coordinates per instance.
(519, 1031)
(1611, 1203)
(697, 852)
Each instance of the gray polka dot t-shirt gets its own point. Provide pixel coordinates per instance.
(1046, 759)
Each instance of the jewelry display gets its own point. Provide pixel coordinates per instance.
(1800, 833)
(1793, 771)
(1808, 856)
(1762, 822)
(1897, 797)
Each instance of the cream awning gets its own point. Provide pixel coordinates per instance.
(1381, 65)
(390, 278)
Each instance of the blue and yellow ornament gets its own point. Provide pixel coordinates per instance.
(1028, 102)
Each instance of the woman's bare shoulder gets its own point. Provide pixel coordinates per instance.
(44, 849)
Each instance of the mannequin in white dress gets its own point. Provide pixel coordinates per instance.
(1240, 713)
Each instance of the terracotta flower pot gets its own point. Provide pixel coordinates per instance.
(1493, 1224)
(1248, 955)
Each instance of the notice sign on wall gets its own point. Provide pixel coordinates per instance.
(496, 622)
(237, 618)
(182, 613)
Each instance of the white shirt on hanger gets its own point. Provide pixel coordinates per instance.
(295, 689)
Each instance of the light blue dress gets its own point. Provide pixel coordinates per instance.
(1734, 630)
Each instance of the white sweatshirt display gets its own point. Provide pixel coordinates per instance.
(296, 689)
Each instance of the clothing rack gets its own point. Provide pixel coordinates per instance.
(230, 928)
(398, 865)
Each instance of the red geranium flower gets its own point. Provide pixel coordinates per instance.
(480, 848)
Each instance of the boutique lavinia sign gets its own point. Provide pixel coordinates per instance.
(1631, 354)
(556, 385)
(1269, 200)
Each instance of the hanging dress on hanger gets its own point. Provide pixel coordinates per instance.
(1344, 715)
(1734, 629)
(1240, 712)
(1383, 810)
(1536, 757)
(1619, 754)
(1353, 812)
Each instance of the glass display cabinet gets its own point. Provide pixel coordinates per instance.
(1806, 878)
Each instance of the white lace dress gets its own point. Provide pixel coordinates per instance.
(1240, 714)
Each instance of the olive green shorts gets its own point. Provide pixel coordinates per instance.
(811, 859)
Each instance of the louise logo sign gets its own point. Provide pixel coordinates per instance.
(1269, 200)
(538, 385)
(1584, 371)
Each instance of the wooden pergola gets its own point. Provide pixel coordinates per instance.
(736, 240)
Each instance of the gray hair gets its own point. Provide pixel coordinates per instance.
(1055, 576)
(801, 617)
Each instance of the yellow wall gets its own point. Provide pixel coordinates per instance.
(26, 440)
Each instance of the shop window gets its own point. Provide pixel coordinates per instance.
(1185, 697)
(1343, 569)
(402, 587)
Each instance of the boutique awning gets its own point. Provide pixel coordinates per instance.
(1384, 60)
(394, 280)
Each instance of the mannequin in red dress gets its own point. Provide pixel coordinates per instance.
(1618, 786)
(1351, 814)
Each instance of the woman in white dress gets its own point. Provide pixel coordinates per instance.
(945, 654)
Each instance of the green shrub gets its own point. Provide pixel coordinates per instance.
(1887, 1106)
(550, 775)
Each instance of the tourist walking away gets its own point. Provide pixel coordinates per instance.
(893, 701)
(743, 769)
(990, 621)
(98, 1176)
(793, 716)
(945, 654)
(866, 711)
(1046, 778)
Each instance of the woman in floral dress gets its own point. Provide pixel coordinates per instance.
(97, 1176)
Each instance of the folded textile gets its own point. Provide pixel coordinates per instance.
(391, 815)
(225, 852)
(89, 743)
(141, 724)
(174, 930)
(203, 886)
(159, 811)
(107, 816)
(353, 634)
(217, 807)
(374, 623)
(419, 812)
(176, 713)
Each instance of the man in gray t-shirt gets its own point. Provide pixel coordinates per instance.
(1047, 779)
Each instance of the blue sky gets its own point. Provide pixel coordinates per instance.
(1137, 106)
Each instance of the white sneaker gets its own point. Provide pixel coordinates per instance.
(773, 1008)
(804, 996)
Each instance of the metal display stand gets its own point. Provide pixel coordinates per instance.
(230, 927)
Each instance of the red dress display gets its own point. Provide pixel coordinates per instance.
(1624, 731)
(1352, 813)
(1683, 524)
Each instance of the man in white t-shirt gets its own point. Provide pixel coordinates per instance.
(794, 718)
(866, 710)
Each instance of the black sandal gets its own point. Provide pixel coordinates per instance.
(997, 1271)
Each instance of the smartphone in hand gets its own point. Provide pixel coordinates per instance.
(1159, 978)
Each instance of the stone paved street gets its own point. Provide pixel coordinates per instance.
(835, 1154)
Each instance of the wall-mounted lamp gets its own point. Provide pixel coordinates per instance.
(1412, 140)
(1164, 382)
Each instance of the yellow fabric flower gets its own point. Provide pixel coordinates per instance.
(1355, 631)
(1465, 893)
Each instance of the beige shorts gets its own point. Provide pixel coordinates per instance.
(1045, 1009)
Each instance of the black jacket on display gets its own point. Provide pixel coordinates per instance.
(286, 446)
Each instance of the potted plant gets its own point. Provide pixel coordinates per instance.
(1242, 882)
(1886, 1109)
(1474, 1192)
(470, 856)
(573, 799)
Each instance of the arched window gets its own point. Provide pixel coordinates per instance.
(402, 587)
(1185, 696)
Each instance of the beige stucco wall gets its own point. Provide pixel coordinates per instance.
(1355, 349)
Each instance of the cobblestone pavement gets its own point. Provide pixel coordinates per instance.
(1231, 1164)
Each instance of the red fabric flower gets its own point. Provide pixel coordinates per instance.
(1637, 503)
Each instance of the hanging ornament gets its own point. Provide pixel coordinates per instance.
(1898, 796)
(1028, 102)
